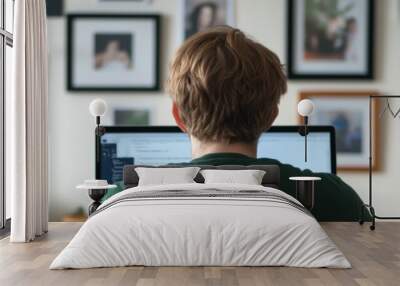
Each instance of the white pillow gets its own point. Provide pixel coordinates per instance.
(248, 177)
(166, 176)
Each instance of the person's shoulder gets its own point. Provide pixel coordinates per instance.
(181, 164)
(283, 166)
(291, 170)
(266, 161)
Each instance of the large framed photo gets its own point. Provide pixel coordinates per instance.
(348, 112)
(330, 39)
(200, 15)
(113, 52)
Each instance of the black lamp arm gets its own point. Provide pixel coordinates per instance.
(305, 137)
(99, 132)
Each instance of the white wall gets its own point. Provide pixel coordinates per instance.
(71, 126)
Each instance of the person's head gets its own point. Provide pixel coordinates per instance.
(225, 87)
(113, 46)
(351, 25)
(204, 15)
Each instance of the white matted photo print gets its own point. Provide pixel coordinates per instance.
(348, 112)
(200, 15)
(330, 39)
(113, 52)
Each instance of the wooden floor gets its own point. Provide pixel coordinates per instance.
(375, 257)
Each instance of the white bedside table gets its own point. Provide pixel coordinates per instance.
(95, 193)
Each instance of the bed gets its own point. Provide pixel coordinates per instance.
(197, 224)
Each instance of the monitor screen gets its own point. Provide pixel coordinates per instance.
(160, 148)
(288, 147)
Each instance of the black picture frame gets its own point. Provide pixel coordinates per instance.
(71, 18)
(54, 8)
(291, 42)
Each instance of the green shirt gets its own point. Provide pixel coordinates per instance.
(334, 199)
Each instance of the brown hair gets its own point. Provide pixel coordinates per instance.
(226, 86)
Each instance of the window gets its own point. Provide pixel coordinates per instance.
(6, 43)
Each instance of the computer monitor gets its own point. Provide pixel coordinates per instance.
(161, 145)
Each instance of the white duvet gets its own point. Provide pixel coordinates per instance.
(200, 231)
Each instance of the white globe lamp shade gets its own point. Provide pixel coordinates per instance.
(305, 107)
(98, 107)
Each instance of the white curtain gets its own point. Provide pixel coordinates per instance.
(27, 121)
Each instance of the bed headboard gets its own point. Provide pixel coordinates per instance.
(270, 179)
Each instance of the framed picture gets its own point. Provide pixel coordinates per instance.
(330, 39)
(131, 117)
(348, 112)
(200, 15)
(113, 52)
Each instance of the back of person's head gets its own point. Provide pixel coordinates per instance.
(225, 86)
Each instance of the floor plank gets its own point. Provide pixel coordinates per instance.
(375, 257)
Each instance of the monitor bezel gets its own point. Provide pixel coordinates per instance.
(175, 129)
